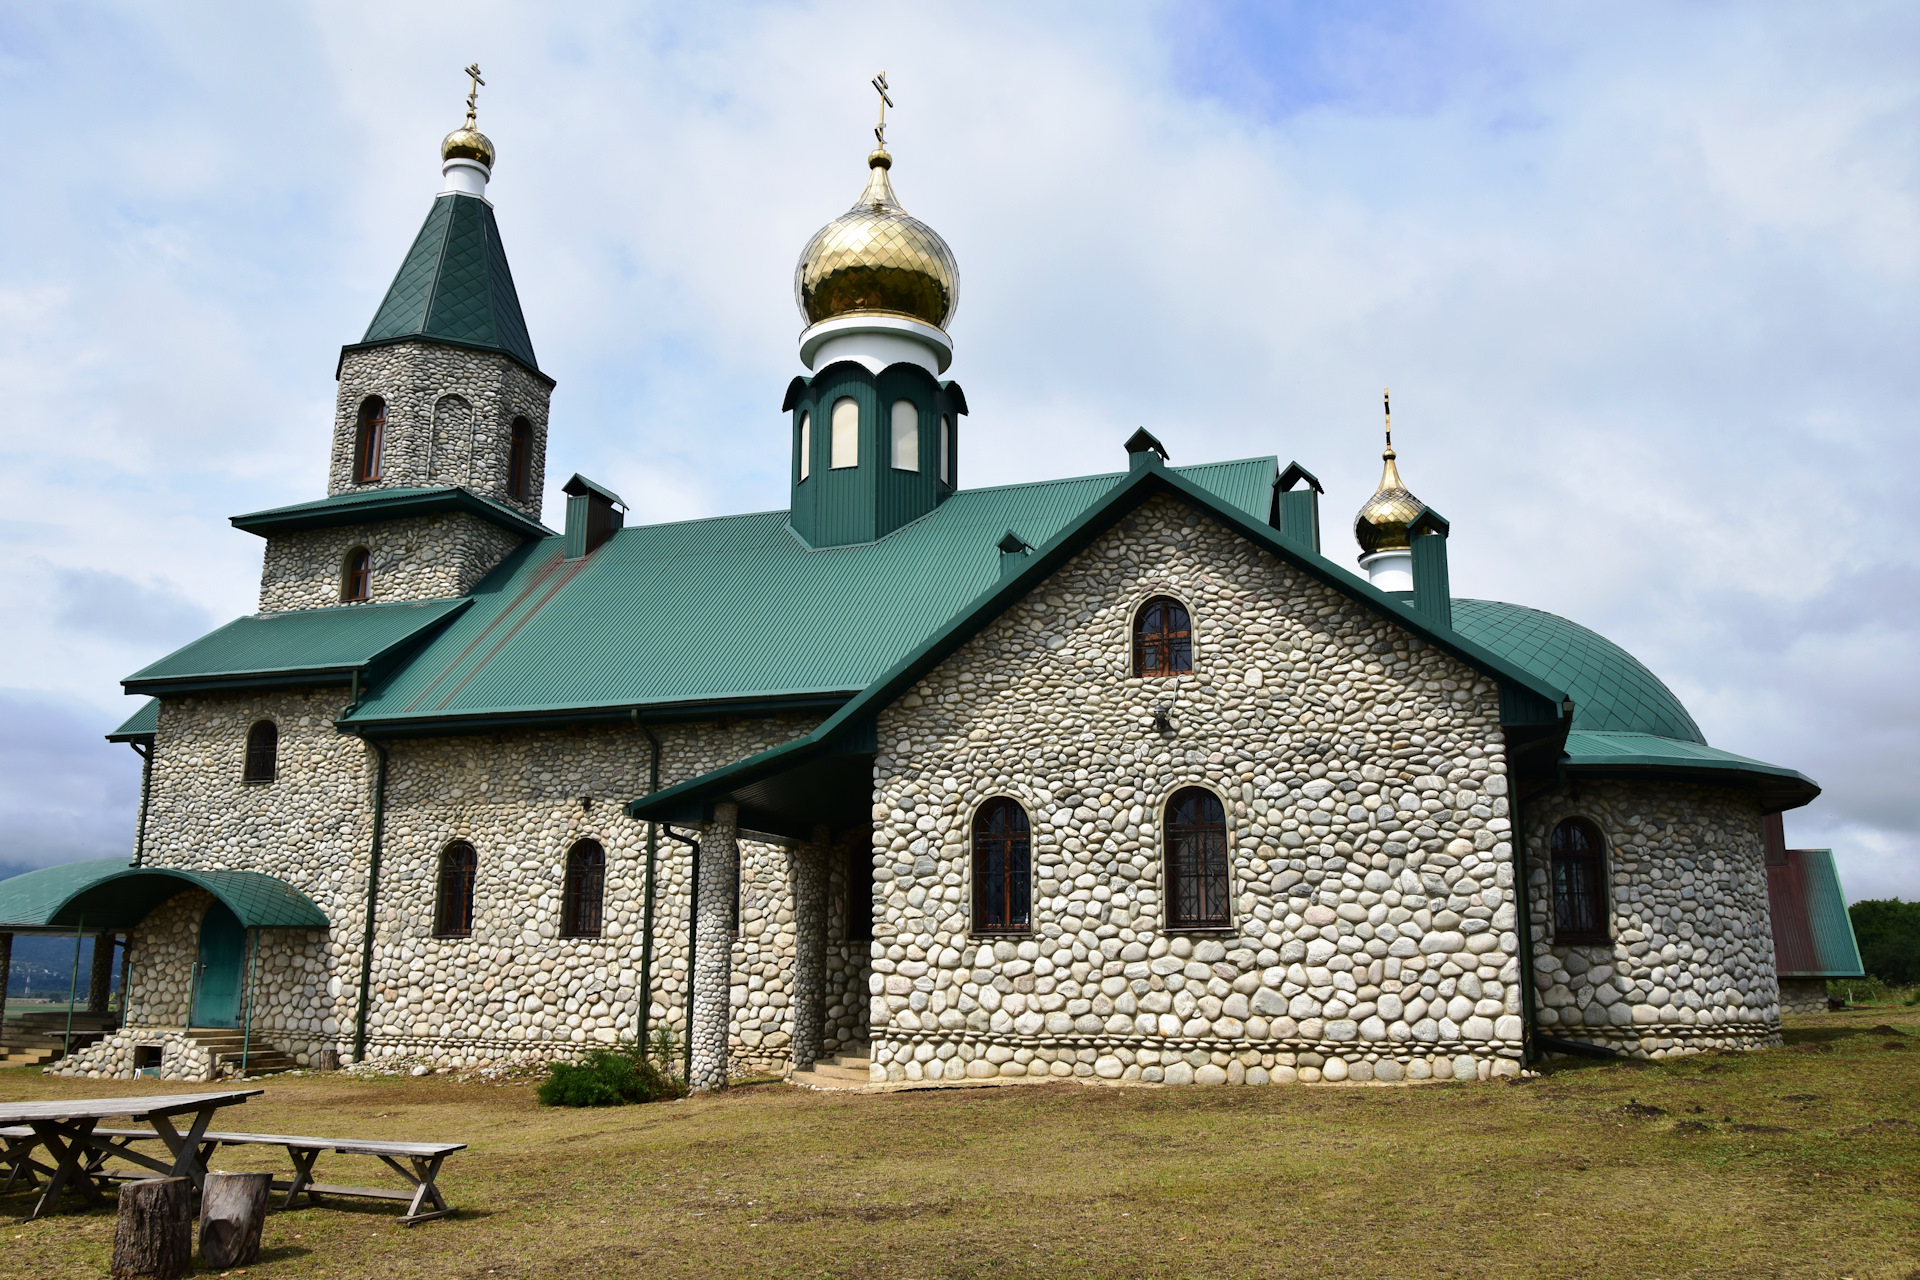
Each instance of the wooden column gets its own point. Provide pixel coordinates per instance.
(809, 999)
(154, 1236)
(713, 949)
(100, 981)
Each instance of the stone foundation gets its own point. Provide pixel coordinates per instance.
(1803, 995)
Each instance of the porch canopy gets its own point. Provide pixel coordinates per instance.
(109, 895)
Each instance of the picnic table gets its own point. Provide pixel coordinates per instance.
(67, 1131)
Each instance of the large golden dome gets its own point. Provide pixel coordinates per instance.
(875, 257)
(468, 143)
(1382, 523)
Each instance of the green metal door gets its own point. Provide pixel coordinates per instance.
(223, 949)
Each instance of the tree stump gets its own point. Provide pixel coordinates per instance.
(232, 1208)
(154, 1236)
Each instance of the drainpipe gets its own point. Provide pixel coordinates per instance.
(1523, 909)
(373, 888)
(646, 917)
(693, 947)
(146, 790)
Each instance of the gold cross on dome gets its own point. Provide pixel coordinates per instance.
(1386, 402)
(473, 94)
(880, 130)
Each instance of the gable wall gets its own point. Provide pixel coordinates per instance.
(1364, 777)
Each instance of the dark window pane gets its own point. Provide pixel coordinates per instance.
(1196, 860)
(455, 914)
(359, 577)
(371, 442)
(1162, 638)
(585, 891)
(1579, 875)
(1002, 868)
(263, 748)
(520, 458)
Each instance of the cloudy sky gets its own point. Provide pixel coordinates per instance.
(1639, 276)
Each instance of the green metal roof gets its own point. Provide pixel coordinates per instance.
(1649, 755)
(734, 610)
(1611, 691)
(367, 505)
(141, 725)
(454, 286)
(111, 894)
(784, 789)
(1812, 933)
(303, 646)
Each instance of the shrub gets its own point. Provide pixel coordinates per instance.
(607, 1077)
(1888, 931)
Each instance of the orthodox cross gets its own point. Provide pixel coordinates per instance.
(880, 130)
(1386, 402)
(473, 94)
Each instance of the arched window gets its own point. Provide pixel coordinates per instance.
(1580, 906)
(263, 751)
(946, 451)
(519, 459)
(586, 889)
(1162, 638)
(846, 434)
(370, 442)
(1002, 866)
(806, 445)
(906, 435)
(1196, 860)
(454, 917)
(356, 583)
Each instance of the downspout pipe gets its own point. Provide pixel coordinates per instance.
(373, 889)
(646, 915)
(693, 944)
(146, 790)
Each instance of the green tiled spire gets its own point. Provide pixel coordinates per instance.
(455, 286)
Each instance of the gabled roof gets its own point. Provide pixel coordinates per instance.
(1812, 933)
(300, 647)
(849, 730)
(734, 613)
(111, 894)
(365, 506)
(454, 286)
(141, 725)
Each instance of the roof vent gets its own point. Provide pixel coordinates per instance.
(1432, 592)
(1297, 511)
(1013, 554)
(1141, 446)
(594, 514)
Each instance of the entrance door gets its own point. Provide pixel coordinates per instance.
(223, 949)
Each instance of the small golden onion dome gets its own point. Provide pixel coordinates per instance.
(468, 143)
(874, 257)
(1382, 523)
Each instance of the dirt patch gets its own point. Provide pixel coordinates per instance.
(1641, 1110)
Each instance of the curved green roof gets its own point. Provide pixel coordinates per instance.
(110, 894)
(1612, 691)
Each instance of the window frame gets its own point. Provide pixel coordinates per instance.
(978, 877)
(445, 887)
(251, 775)
(806, 445)
(519, 458)
(574, 896)
(910, 436)
(1169, 874)
(1597, 888)
(851, 436)
(370, 440)
(947, 444)
(1139, 639)
(358, 565)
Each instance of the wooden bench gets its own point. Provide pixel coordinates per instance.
(424, 1201)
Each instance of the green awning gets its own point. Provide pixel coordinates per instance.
(1646, 755)
(111, 895)
(299, 647)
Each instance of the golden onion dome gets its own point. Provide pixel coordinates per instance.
(875, 257)
(1382, 522)
(468, 143)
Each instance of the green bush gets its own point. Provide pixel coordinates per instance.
(1888, 931)
(607, 1077)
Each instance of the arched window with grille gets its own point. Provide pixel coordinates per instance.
(370, 440)
(1580, 900)
(263, 753)
(585, 891)
(519, 460)
(356, 578)
(1196, 861)
(453, 917)
(1162, 638)
(1002, 868)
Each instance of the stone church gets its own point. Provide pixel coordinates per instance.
(1118, 776)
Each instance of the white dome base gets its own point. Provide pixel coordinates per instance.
(876, 340)
(1389, 570)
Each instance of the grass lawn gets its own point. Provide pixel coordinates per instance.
(1803, 1161)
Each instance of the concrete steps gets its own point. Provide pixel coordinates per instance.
(35, 1039)
(842, 1071)
(228, 1046)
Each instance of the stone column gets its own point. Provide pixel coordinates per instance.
(713, 946)
(100, 981)
(808, 865)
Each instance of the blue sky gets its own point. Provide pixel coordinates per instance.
(1642, 280)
